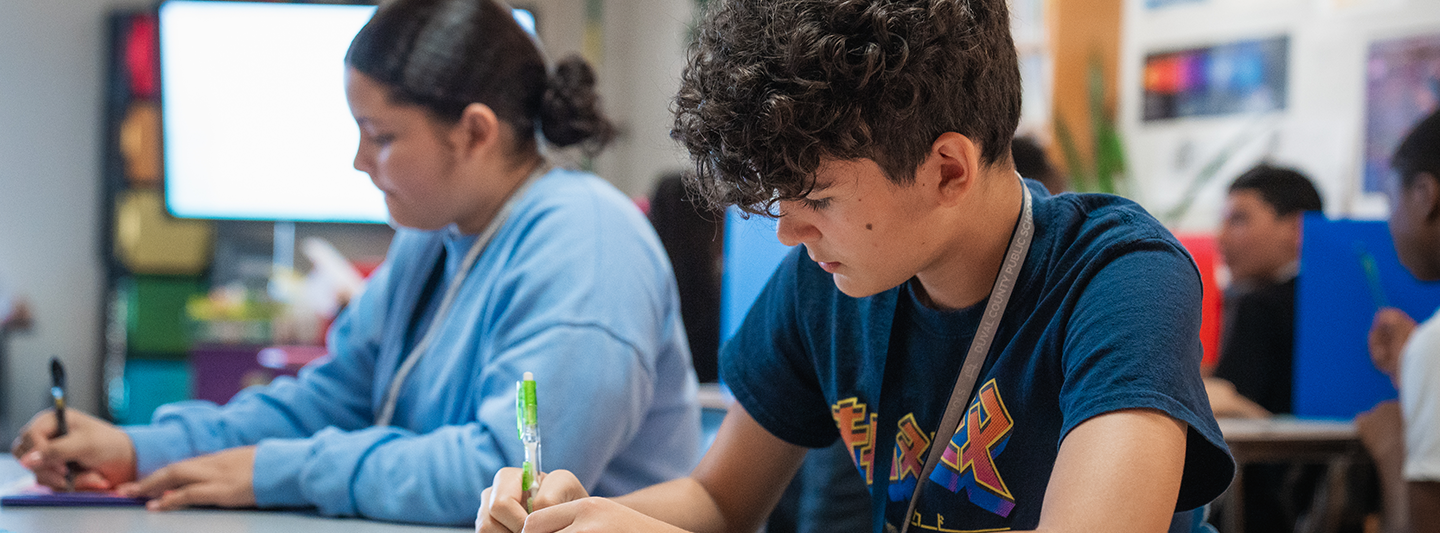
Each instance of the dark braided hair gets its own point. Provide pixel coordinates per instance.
(443, 55)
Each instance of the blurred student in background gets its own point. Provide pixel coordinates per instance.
(1407, 454)
(1260, 241)
(1031, 162)
(694, 238)
(502, 265)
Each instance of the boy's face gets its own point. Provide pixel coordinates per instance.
(860, 227)
(1411, 227)
(1256, 241)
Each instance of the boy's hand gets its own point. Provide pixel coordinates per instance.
(594, 514)
(222, 479)
(501, 507)
(1392, 327)
(104, 452)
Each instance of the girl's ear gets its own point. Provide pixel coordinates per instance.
(477, 129)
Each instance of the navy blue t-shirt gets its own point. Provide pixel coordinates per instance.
(1105, 316)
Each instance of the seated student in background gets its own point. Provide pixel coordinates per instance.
(1259, 239)
(571, 285)
(879, 133)
(1410, 355)
(1031, 162)
(694, 241)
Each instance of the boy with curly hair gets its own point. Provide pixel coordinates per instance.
(878, 132)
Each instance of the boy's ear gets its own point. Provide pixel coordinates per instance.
(1294, 226)
(957, 163)
(478, 127)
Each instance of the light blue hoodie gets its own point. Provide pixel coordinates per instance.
(574, 288)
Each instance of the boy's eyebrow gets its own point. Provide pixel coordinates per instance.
(816, 186)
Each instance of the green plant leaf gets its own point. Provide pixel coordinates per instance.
(1079, 172)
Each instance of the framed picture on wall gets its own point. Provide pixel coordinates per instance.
(1238, 77)
(1402, 87)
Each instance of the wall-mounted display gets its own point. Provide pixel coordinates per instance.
(255, 123)
(1240, 77)
(1403, 86)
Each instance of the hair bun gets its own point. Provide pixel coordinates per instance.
(570, 110)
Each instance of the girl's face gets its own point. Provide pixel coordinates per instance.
(410, 156)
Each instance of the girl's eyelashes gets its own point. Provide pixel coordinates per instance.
(380, 139)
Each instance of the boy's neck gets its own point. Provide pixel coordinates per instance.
(964, 272)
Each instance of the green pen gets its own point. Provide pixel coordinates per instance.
(528, 419)
(1372, 276)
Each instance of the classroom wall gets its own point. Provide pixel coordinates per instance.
(1322, 129)
(51, 69)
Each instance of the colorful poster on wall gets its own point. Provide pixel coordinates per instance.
(1239, 77)
(1403, 86)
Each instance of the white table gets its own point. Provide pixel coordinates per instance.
(138, 520)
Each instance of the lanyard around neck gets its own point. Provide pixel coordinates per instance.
(392, 393)
(979, 347)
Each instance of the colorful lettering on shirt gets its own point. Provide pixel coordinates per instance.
(858, 431)
(969, 461)
(918, 523)
(911, 443)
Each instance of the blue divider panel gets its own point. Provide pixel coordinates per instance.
(1336, 302)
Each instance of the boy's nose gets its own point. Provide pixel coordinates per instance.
(793, 230)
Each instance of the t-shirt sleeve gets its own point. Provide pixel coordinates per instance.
(769, 368)
(1420, 401)
(1133, 342)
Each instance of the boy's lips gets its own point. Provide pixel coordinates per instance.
(829, 266)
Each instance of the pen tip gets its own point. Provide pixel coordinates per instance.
(57, 372)
(529, 376)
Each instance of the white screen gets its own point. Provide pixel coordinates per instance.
(255, 121)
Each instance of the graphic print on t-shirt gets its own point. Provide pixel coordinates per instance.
(858, 432)
(911, 445)
(969, 461)
(967, 464)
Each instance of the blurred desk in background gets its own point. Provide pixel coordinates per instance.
(1283, 439)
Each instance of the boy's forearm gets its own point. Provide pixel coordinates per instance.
(683, 503)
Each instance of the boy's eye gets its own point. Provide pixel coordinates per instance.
(815, 204)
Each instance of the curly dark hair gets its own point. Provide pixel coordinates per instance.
(443, 55)
(774, 86)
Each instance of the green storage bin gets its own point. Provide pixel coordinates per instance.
(156, 324)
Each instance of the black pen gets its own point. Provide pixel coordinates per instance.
(57, 393)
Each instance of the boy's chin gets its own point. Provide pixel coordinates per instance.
(855, 288)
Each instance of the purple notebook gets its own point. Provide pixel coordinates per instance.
(44, 497)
